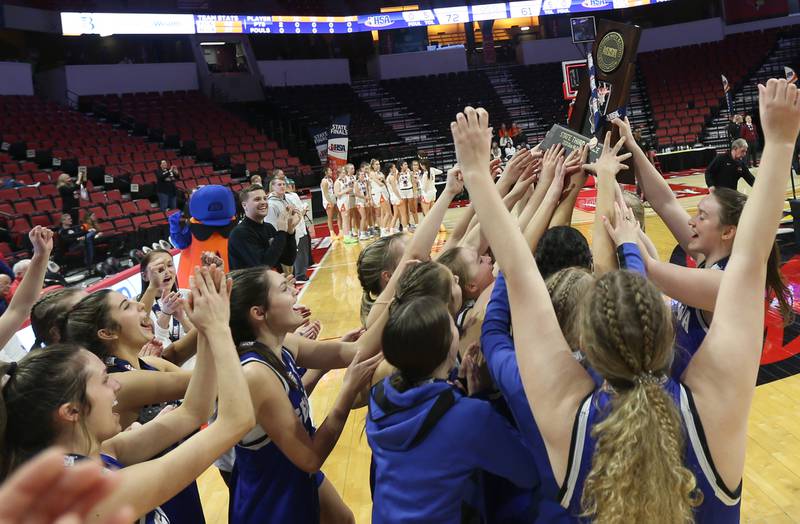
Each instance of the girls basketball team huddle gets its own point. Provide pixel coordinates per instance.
(369, 203)
(517, 377)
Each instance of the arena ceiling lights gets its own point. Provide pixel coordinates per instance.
(74, 24)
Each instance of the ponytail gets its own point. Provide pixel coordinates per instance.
(637, 473)
(777, 287)
(642, 433)
(251, 288)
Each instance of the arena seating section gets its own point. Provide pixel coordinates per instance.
(437, 98)
(120, 139)
(317, 105)
(684, 83)
(121, 159)
(181, 118)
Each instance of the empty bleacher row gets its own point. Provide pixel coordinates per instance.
(437, 98)
(685, 87)
(189, 121)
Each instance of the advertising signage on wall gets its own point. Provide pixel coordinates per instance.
(151, 24)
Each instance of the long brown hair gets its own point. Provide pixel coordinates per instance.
(37, 385)
(251, 288)
(731, 205)
(638, 473)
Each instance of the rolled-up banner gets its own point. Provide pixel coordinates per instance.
(320, 137)
(337, 141)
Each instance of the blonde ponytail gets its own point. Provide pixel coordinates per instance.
(638, 472)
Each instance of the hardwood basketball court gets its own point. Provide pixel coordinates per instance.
(771, 490)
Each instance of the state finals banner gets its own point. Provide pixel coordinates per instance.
(320, 137)
(337, 141)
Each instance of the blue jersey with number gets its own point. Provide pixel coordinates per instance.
(720, 505)
(156, 516)
(185, 507)
(267, 486)
(690, 330)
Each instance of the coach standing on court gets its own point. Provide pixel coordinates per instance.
(254, 242)
(727, 168)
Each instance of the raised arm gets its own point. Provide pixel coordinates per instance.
(723, 372)
(563, 213)
(419, 247)
(149, 484)
(28, 291)
(132, 447)
(549, 372)
(606, 169)
(656, 190)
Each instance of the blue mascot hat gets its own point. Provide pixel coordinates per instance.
(213, 206)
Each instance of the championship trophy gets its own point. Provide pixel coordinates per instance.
(614, 60)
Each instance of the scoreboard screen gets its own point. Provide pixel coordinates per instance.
(142, 23)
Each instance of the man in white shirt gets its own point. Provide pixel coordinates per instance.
(279, 201)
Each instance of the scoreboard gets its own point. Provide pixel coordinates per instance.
(140, 23)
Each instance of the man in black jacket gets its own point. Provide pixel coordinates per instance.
(254, 242)
(726, 169)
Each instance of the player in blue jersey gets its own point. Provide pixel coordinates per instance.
(63, 395)
(708, 237)
(116, 329)
(636, 421)
(276, 476)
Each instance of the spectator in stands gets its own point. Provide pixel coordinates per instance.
(70, 194)
(726, 169)
(20, 268)
(497, 153)
(278, 173)
(5, 285)
(254, 242)
(255, 180)
(166, 190)
(513, 133)
(302, 234)
(71, 236)
(750, 133)
(734, 128)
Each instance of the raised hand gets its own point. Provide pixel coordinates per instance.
(455, 182)
(523, 184)
(549, 160)
(496, 168)
(209, 302)
(153, 348)
(624, 127)
(625, 229)
(42, 240)
(472, 139)
(171, 302)
(359, 372)
(609, 163)
(780, 111)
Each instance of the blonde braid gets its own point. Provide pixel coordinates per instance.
(610, 314)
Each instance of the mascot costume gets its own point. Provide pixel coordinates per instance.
(203, 238)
